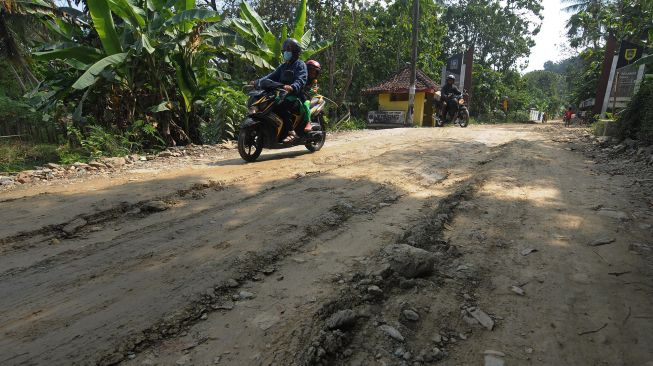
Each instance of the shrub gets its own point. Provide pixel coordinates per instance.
(18, 155)
(97, 142)
(349, 124)
(223, 109)
(636, 121)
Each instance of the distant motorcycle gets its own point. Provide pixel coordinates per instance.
(262, 128)
(457, 112)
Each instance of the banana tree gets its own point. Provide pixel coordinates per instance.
(146, 64)
(249, 38)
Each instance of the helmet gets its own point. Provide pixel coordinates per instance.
(292, 45)
(312, 64)
(451, 77)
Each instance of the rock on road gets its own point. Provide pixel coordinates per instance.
(213, 261)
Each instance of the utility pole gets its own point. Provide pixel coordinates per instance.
(413, 65)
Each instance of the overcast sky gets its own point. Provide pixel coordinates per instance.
(548, 41)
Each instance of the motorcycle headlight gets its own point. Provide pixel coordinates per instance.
(253, 109)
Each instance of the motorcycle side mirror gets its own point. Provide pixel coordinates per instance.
(250, 69)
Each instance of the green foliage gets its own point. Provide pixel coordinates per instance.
(502, 32)
(97, 142)
(70, 155)
(250, 39)
(165, 62)
(15, 114)
(636, 121)
(17, 117)
(223, 109)
(18, 155)
(593, 21)
(103, 24)
(349, 124)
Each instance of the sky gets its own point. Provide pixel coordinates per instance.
(550, 37)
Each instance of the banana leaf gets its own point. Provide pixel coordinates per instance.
(185, 80)
(193, 16)
(306, 39)
(315, 49)
(66, 51)
(249, 14)
(180, 6)
(155, 5)
(131, 14)
(300, 21)
(103, 23)
(88, 78)
(644, 60)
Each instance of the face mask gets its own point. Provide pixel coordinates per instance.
(287, 55)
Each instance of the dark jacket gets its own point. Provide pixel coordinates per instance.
(450, 89)
(298, 80)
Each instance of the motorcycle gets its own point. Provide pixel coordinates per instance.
(458, 115)
(263, 126)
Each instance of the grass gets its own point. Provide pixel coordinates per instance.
(16, 155)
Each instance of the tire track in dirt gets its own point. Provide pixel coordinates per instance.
(66, 290)
(315, 340)
(419, 188)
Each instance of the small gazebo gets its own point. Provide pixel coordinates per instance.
(393, 96)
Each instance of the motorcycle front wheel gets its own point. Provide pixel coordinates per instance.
(250, 144)
(463, 120)
(439, 122)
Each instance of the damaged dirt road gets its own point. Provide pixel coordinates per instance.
(489, 245)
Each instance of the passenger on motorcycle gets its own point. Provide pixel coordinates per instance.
(310, 90)
(292, 73)
(448, 91)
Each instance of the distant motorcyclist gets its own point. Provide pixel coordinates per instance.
(448, 91)
(293, 74)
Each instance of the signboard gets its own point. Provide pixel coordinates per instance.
(625, 82)
(628, 53)
(587, 104)
(453, 66)
(386, 117)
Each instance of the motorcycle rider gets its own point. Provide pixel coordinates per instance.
(292, 73)
(448, 92)
(568, 114)
(310, 90)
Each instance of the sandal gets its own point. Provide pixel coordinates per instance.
(292, 136)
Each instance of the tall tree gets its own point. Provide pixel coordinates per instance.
(500, 31)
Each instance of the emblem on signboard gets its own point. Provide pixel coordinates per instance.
(630, 54)
(454, 64)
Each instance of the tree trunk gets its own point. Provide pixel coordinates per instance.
(345, 87)
(20, 81)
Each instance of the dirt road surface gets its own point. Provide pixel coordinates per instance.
(491, 245)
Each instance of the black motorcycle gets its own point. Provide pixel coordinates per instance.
(263, 126)
(457, 112)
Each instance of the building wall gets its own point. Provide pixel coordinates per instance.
(386, 105)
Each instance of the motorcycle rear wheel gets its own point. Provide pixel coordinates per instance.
(250, 144)
(316, 146)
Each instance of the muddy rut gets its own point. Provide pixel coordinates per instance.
(221, 262)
